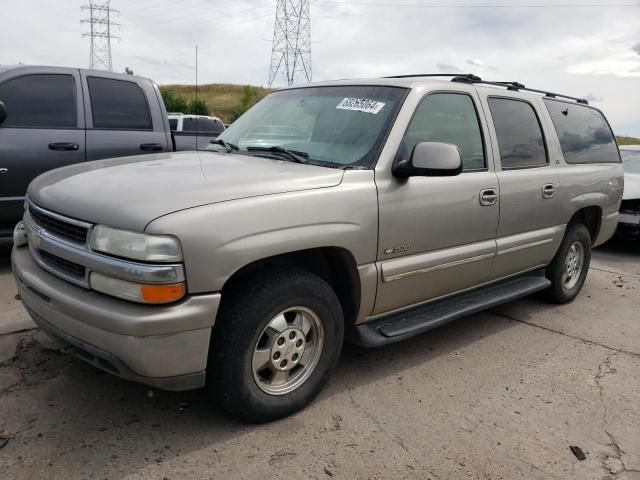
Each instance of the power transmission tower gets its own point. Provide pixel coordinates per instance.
(100, 24)
(291, 49)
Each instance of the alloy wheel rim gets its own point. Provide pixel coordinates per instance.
(287, 350)
(573, 264)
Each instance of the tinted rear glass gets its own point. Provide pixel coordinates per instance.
(188, 124)
(209, 125)
(118, 104)
(520, 139)
(40, 100)
(173, 123)
(585, 136)
(204, 125)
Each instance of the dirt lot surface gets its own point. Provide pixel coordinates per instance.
(499, 395)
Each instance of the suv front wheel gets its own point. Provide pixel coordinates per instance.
(278, 336)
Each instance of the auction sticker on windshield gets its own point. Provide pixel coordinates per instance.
(361, 105)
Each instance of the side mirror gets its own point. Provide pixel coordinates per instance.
(430, 159)
(3, 113)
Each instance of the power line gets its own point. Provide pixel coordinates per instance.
(216, 25)
(100, 24)
(291, 48)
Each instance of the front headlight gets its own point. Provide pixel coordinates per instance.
(135, 246)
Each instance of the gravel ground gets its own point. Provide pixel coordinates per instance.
(499, 395)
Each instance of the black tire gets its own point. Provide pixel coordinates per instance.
(558, 291)
(246, 309)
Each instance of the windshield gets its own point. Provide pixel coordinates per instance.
(336, 126)
(631, 159)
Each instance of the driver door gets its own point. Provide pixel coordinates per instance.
(437, 235)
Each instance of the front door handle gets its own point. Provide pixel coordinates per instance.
(62, 146)
(548, 189)
(488, 196)
(151, 147)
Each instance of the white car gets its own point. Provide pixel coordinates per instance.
(629, 220)
(194, 132)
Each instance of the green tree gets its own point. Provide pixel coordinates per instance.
(246, 102)
(197, 107)
(172, 102)
(128, 71)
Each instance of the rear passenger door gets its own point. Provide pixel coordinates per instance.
(123, 117)
(530, 226)
(44, 130)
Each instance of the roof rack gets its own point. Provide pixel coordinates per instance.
(465, 75)
(513, 86)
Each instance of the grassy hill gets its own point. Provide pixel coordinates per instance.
(628, 141)
(223, 100)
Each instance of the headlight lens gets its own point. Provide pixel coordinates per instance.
(136, 292)
(136, 246)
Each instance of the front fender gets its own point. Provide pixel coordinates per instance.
(219, 239)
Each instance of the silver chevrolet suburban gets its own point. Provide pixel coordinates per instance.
(388, 207)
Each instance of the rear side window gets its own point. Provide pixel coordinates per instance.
(449, 118)
(210, 125)
(520, 138)
(585, 136)
(173, 123)
(188, 124)
(118, 104)
(204, 125)
(40, 100)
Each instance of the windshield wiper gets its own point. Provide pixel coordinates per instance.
(229, 147)
(294, 155)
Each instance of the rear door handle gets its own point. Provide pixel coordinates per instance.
(63, 146)
(488, 196)
(548, 189)
(151, 147)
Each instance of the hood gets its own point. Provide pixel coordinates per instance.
(631, 186)
(130, 192)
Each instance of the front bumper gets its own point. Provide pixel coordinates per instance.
(163, 346)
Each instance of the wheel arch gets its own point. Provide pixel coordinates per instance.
(335, 265)
(591, 218)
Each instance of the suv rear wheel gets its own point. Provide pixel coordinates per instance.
(278, 336)
(568, 269)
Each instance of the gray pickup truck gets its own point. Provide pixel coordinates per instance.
(54, 116)
(389, 207)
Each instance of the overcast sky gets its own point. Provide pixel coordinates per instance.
(587, 48)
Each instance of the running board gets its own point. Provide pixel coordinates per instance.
(399, 326)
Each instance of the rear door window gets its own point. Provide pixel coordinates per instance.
(40, 101)
(520, 139)
(449, 118)
(173, 123)
(188, 124)
(118, 104)
(209, 125)
(584, 134)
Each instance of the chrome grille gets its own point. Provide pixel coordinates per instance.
(57, 226)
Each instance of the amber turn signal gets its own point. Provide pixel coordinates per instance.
(162, 293)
